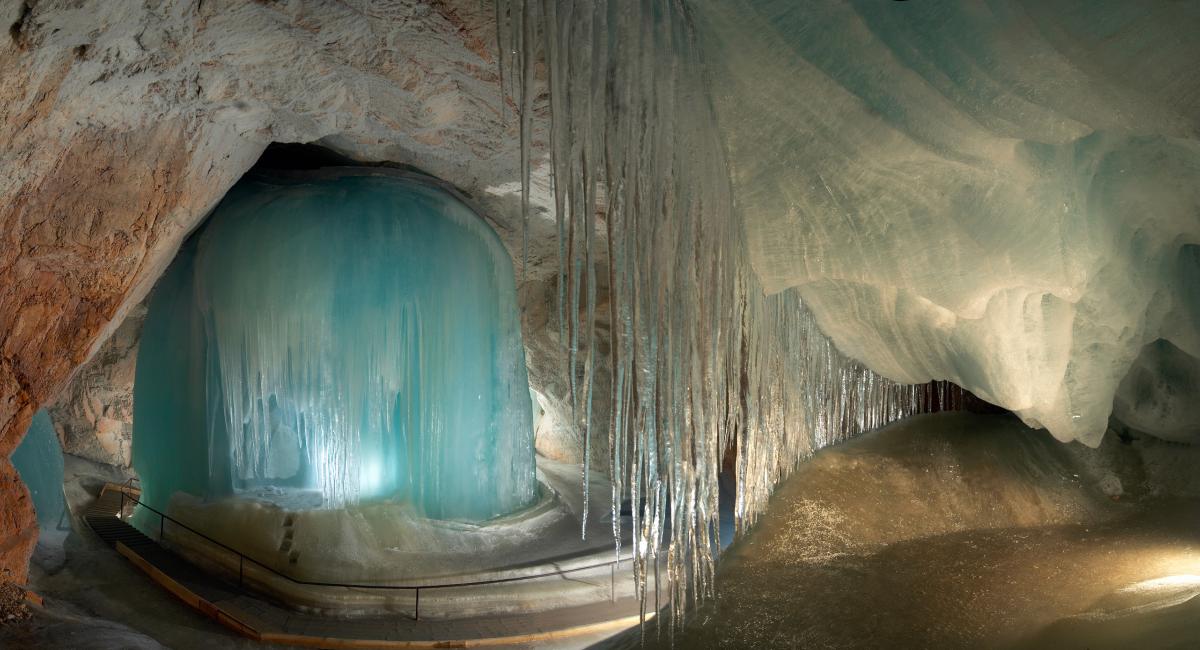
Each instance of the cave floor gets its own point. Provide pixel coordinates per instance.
(959, 531)
(96, 598)
(389, 543)
(945, 530)
(1042, 587)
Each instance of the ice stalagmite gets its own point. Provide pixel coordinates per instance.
(349, 333)
(701, 359)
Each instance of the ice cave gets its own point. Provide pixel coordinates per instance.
(600, 324)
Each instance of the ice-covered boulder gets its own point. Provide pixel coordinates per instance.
(1159, 393)
(1006, 195)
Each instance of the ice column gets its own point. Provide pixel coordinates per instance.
(350, 332)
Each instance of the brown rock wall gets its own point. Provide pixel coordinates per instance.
(93, 415)
(18, 525)
(78, 240)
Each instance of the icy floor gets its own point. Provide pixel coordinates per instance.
(285, 498)
(388, 542)
(956, 530)
(95, 599)
(942, 531)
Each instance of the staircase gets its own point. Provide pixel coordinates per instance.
(103, 517)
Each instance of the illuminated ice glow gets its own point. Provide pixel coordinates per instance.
(354, 334)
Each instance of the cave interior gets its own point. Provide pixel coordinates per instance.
(596, 324)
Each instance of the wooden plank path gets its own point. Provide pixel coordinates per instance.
(268, 622)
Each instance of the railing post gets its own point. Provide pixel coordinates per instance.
(241, 568)
(121, 512)
(417, 609)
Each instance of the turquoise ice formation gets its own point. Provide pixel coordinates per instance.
(39, 461)
(352, 333)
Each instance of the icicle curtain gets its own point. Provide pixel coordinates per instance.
(700, 359)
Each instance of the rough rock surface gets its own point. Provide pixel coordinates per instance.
(94, 413)
(123, 123)
(18, 525)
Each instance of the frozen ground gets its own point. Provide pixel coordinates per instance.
(958, 530)
(95, 599)
(388, 542)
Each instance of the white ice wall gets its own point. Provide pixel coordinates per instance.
(995, 193)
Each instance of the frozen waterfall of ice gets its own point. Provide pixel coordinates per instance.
(39, 461)
(349, 333)
(1002, 194)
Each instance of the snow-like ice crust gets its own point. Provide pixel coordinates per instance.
(1005, 195)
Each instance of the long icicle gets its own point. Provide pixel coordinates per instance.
(699, 359)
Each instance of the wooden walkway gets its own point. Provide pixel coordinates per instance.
(264, 621)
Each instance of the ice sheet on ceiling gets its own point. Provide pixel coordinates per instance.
(39, 461)
(353, 333)
(997, 193)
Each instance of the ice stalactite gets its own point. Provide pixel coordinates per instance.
(802, 395)
(701, 359)
(351, 333)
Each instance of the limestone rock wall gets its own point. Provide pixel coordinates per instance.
(93, 415)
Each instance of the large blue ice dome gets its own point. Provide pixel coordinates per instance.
(353, 333)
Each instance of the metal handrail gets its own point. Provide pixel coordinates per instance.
(242, 557)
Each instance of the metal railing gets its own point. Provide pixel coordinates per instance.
(416, 589)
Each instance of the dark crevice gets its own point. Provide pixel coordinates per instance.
(17, 29)
(280, 156)
(297, 156)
